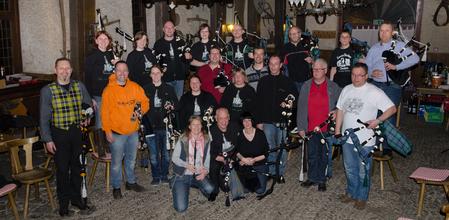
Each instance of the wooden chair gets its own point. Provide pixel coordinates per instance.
(445, 210)
(424, 176)
(97, 159)
(9, 190)
(29, 175)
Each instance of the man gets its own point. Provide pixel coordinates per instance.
(60, 117)
(377, 69)
(297, 58)
(342, 61)
(258, 69)
(360, 100)
(272, 90)
(121, 124)
(172, 55)
(209, 72)
(317, 98)
(239, 51)
(224, 137)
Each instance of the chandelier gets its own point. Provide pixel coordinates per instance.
(323, 8)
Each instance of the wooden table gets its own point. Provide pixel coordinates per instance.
(431, 91)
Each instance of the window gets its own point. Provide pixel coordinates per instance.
(10, 51)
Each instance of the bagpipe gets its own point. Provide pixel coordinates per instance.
(228, 154)
(183, 44)
(359, 47)
(395, 57)
(208, 117)
(310, 44)
(87, 113)
(222, 80)
(139, 116)
(285, 145)
(100, 25)
(172, 133)
(323, 139)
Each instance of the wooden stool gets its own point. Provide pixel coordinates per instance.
(445, 210)
(8, 190)
(424, 175)
(381, 159)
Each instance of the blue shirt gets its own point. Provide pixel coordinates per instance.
(374, 59)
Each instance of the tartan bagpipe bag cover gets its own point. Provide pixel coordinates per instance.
(396, 139)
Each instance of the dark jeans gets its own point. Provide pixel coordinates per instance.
(317, 160)
(394, 92)
(159, 155)
(67, 158)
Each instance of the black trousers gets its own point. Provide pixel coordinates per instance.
(67, 158)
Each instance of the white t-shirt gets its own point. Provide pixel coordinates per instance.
(362, 103)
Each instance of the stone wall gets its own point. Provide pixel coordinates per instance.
(41, 34)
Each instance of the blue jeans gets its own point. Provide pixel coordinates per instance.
(181, 187)
(124, 147)
(261, 170)
(159, 155)
(357, 175)
(316, 159)
(178, 85)
(274, 136)
(98, 112)
(394, 92)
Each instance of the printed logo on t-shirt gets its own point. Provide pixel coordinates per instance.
(205, 55)
(237, 101)
(344, 62)
(196, 108)
(171, 52)
(353, 105)
(107, 67)
(148, 65)
(238, 54)
(157, 100)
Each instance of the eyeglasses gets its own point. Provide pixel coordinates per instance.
(356, 76)
(319, 69)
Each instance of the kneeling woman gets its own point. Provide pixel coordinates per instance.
(252, 150)
(191, 158)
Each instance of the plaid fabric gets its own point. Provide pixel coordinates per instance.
(66, 105)
(396, 139)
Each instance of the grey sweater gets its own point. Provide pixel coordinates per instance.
(333, 91)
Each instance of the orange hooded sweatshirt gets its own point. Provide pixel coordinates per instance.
(117, 106)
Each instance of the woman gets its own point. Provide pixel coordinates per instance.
(252, 150)
(99, 65)
(194, 102)
(191, 158)
(238, 97)
(162, 98)
(342, 61)
(140, 60)
(200, 49)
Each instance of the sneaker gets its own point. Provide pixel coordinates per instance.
(155, 181)
(307, 184)
(117, 193)
(212, 197)
(294, 131)
(135, 187)
(360, 204)
(344, 198)
(322, 187)
(281, 180)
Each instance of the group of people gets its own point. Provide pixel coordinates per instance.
(248, 100)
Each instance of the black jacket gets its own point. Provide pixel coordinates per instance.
(298, 69)
(271, 92)
(177, 65)
(139, 64)
(186, 106)
(97, 69)
(157, 113)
